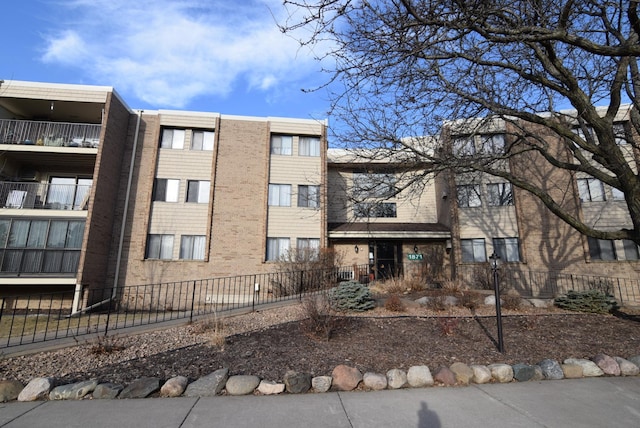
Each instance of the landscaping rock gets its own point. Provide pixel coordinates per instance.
(419, 377)
(538, 374)
(463, 373)
(635, 360)
(9, 390)
(450, 301)
(37, 389)
(481, 374)
(607, 364)
(551, 369)
(74, 391)
(174, 387)
(141, 388)
(424, 301)
(541, 303)
(396, 378)
(346, 378)
(107, 391)
(627, 368)
(523, 372)
(571, 371)
(269, 387)
(502, 373)
(209, 385)
(374, 381)
(444, 376)
(589, 368)
(491, 300)
(296, 382)
(321, 383)
(242, 384)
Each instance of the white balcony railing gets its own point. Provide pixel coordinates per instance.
(60, 134)
(19, 195)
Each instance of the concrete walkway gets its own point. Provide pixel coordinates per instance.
(594, 402)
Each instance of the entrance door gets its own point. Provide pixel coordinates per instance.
(387, 256)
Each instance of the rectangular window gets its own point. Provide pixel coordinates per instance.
(192, 247)
(508, 249)
(492, 143)
(309, 196)
(630, 250)
(464, 146)
(473, 250)
(67, 193)
(166, 189)
(198, 191)
(309, 146)
(308, 248)
(469, 195)
(281, 144)
(620, 134)
(202, 140)
(499, 194)
(277, 248)
(617, 195)
(375, 209)
(374, 185)
(601, 249)
(172, 139)
(590, 190)
(159, 247)
(280, 195)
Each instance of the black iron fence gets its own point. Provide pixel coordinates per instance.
(26, 319)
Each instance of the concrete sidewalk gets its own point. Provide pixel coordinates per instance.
(594, 402)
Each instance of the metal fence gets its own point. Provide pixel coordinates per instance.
(42, 133)
(26, 319)
(550, 284)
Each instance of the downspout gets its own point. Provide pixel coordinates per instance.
(124, 222)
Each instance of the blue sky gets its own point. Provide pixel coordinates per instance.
(225, 56)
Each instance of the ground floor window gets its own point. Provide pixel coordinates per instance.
(601, 249)
(192, 247)
(473, 250)
(277, 248)
(159, 247)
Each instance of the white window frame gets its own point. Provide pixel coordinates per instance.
(159, 246)
(469, 195)
(590, 190)
(279, 195)
(203, 140)
(192, 247)
(172, 139)
(309, 146)
(171, 190)
(308, 246)
(277, 248)
(199, 189)
(474, 247)
(282, 145)
(499, 194)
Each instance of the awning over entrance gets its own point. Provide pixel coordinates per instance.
(388, 231)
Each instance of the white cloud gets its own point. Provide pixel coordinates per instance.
(168, 52)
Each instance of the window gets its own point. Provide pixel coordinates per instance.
(277, 248)
(308, 248)
(464, 146)
(202, 140)
(492, 143)
(631, 250)
(309, 146)
(281, 144)
(309, 196)
(192, 247)
(166, 190)
(508, 249)
(601, 249)
(41, 246)
(590, 189)
(198, 191)
(159, 247)
(375, 209)
(620, 134)
(499, 194)
(374, 185)
(473, 250)
(280, 195)
(469, 195)
(172, 139)
(67, 193)
(617, 194)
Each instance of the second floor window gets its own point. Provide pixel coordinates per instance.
(375, 210)
(508, 249)
(601, 249)
(198, 191)
(192, 247)
(590, 190)
(499, 194)
(373, 185)
(281, 144)
(309, 196)
(473, 250)
(202, 140)
(166, 189)
(309, 146)
(280, 195)
(469, 195)
(172, 139)
(159, 247)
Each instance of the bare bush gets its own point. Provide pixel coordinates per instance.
(437, 303)
(305, 270)
(394, 304)
(321, 320)
(106, 345)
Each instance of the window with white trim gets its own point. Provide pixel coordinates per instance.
(499, 194)
(308, 248)
(601, 249)
(166, 189)
(172, 139)
(280, 195)
(159, 247)
(469, 195)
(508, 249)
(590, 190)
(492, 143)
(309, 146)
(473, 250)
(281, 144)
(192, 247)
(308, 196)
(277, 248)
(198, 191)
(202, 140)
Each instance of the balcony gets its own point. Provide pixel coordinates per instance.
(54, 196)
(54, 134)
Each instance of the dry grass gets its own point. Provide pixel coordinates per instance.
(214, 328)
(394, 304)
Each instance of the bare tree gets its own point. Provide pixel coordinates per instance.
(535, 69)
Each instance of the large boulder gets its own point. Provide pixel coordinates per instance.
(396, 378)
(463, 373)
(9, 390)
(374, 381)
(551, 369)
(589, 368)
(141, 388)
(607, 364)
(419, 376)
(346, 378)
(242, 384)
(209, 385)
(627, 368)
(481, 374)
(174, 387)
(444, 376)
(37, 389)
(74, 391)
(297, 382)
(321, 383)
(502, 373)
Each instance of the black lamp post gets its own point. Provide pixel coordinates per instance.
(494, 269)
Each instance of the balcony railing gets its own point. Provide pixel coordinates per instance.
(55, 134)
(20, 195)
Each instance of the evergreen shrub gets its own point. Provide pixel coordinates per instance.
(352, 296)
(592, 301)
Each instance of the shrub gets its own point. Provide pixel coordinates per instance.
(300, 271)
(437, 303)
(512, 302)
(106, 345)
(394, 304)
(214, 327)
(469, 300)
(352, 296)
(592, 301)
(320, 321)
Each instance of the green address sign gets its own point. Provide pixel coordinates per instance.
(413, 256)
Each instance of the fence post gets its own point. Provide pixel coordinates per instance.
(193, 300)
